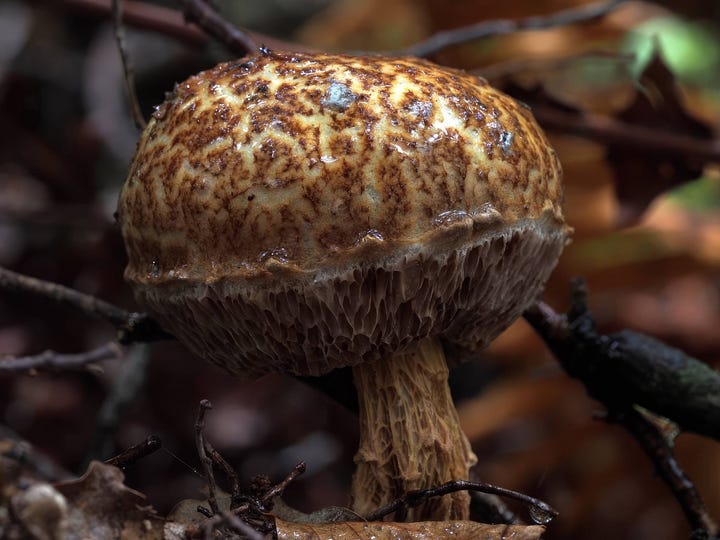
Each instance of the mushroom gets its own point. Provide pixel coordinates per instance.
(302, 212)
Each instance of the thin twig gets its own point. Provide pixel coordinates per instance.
(654, 444)
(128, 70)
(415, 497)
(161, 20)
(279, 488)
(57, 362)
(205, 461)
(616, 132)
(226, 468)
(628, 369)
(465, 34)
(236, 40)
(135, 453)
(131, 326)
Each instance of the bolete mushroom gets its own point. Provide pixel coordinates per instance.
(302, 212)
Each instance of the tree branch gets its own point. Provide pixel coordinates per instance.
(235, 39)
(484, 29)
(128, 71)
(170, 22)
(609, 131)
(655, 445)
(131, 326)
(56, 362)
(629, 369)
(540, 511)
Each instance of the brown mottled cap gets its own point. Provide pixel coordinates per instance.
(300, 212)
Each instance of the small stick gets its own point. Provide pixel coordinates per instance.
(656, 447)
(202, 14)
(626, 370)
(277, 489)
(206, 462)
(128, 70)
(57, 362)
(135, 453)
(415, 497)
(465, 34)
(225, 467)
(131, 326)
(611, 131)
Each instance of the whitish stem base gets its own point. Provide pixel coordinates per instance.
(410, 436)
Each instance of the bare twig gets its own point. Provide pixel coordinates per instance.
(608, 130)
(236, 40)
(131, 326)
(127, 65)
(279, 488)
(56, 362)
(226, 468)
(162, 20)
(629, 369)
(660, 453)
(205, 461)
(540, 510)
(616, 368)
(135, 453)
(465, 34)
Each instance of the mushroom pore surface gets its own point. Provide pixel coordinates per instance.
(302, 212)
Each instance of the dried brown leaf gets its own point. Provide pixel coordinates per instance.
(642, 176)
(101, 506)
(426, 530)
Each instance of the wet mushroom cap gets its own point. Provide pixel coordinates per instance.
(303, 212)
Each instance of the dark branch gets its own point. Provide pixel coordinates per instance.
(540, 510)
(466, 34)
(236, 40)
(279, 488)
(56, 362)
(629, 369)
(226, 468)
(135, 453)
(205, 461)
(162, 20)
(655, 445)
(131, 326)
(128, 70)
(608, 130)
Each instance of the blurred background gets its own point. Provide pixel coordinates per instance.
(647, 238)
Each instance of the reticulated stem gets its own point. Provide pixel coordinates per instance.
(410, 436)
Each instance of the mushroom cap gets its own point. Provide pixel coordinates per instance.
(303, 212)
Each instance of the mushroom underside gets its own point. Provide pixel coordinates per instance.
(310, 325)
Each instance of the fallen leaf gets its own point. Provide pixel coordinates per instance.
(101, 506)
(425, 530)
(640, 176)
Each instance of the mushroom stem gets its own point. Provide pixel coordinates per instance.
(410, 436)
